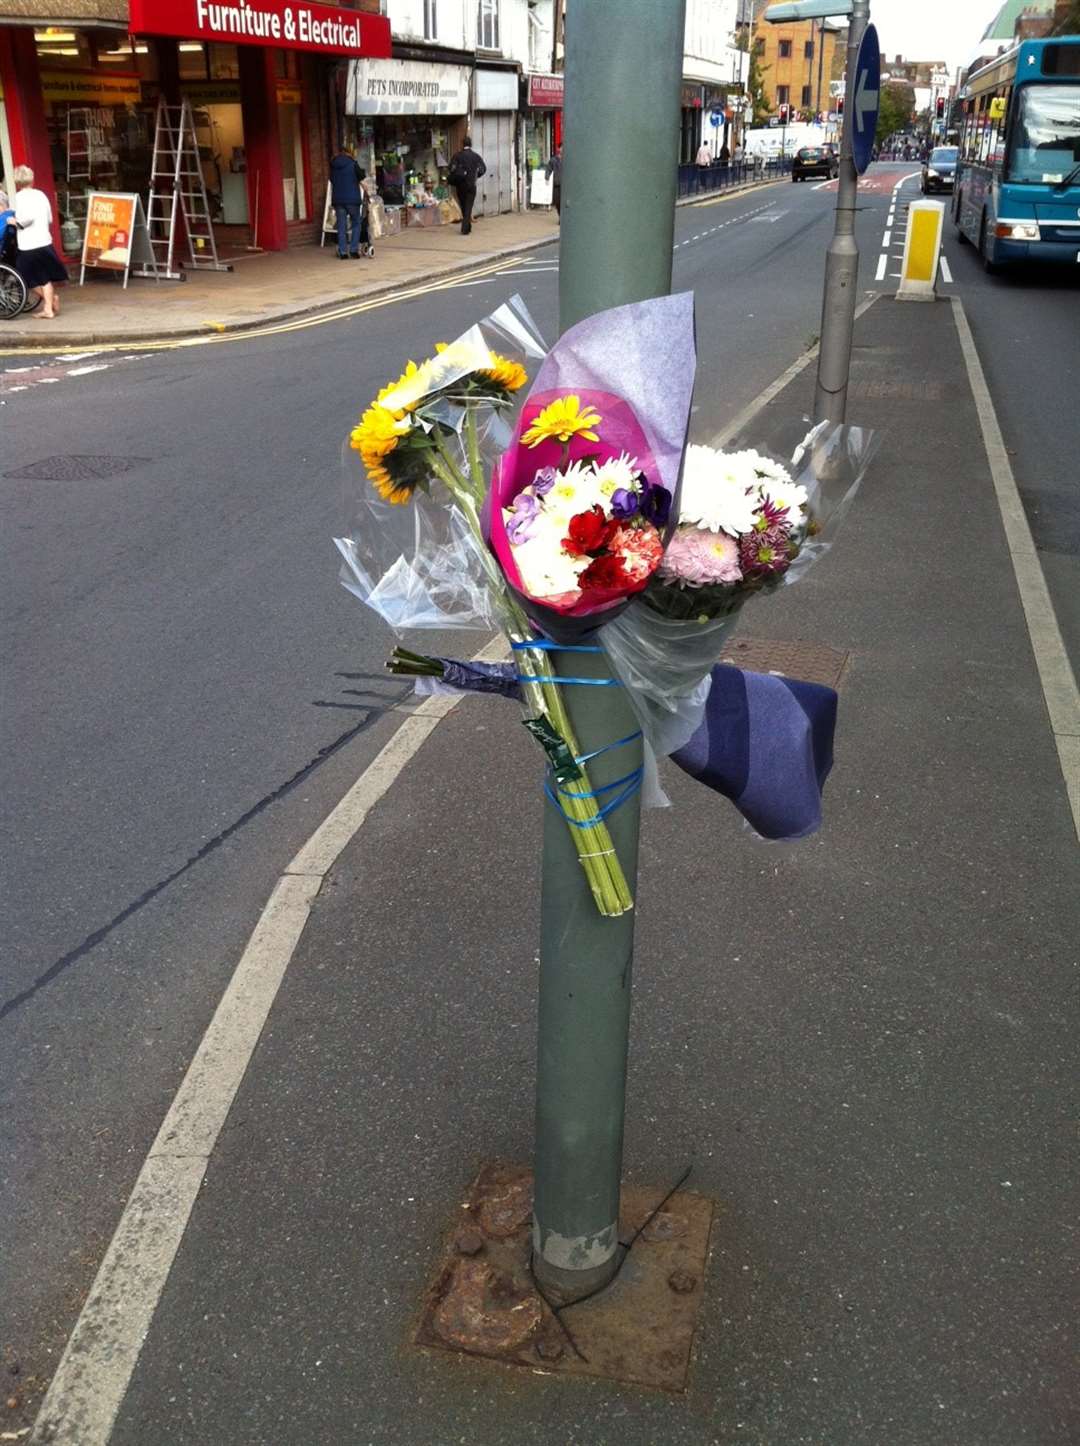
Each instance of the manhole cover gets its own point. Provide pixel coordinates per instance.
(809, 662)
(76, 469)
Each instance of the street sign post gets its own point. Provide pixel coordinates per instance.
(867, 98)
(716, 118)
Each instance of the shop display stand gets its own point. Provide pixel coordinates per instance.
(177, 189)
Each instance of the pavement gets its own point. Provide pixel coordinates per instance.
(862, 1041)
(277, 286)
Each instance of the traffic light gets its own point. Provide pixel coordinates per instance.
(840, 105)
(784, 112)
(941, 107)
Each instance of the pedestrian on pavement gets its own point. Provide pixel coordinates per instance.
(36, 260)
(553, 170)
(703, 160)
(737, 154)
(347, 195)
(466, 168)
(725, 155)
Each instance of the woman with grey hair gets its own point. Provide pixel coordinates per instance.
(36, 262)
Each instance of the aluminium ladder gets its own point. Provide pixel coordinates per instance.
(178, 191)
(79, 142)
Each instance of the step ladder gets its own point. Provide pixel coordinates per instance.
(79, 142)
(178, 192)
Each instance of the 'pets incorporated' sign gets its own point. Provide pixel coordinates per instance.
(278, 23)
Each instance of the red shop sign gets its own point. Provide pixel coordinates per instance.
(283, 24)
(546, 90)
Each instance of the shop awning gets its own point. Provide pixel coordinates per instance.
(104, 14)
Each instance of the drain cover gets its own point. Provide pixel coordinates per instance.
(809, 662)
(76, 469)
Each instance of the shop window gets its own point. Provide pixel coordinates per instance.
(192, 57)
(487, 25)
(431, 20)
(60, 49)
(224, 62)
(784, 50)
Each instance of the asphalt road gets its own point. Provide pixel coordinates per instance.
(188, 690)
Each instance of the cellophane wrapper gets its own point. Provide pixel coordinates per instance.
(665, 662)
(419, 565)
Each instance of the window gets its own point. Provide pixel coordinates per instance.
(783, 94)
(784, 50)
(1046, 135)
(431, 23)
(807, 98)
(759, 45)
(487, 25)
(808, 50)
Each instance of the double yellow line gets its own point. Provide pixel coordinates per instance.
(277, 328)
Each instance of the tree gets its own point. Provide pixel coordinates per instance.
(755, 82)
(895, 110)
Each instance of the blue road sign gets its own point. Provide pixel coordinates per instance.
(864, 103)
(716, 118)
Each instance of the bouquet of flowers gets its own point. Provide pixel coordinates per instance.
(569, 528)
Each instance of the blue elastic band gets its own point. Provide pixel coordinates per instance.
(630, 737)
(550, 681)
(604, 787)
(544, 645)
(608, 808)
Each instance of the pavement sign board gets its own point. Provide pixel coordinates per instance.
(864, 104)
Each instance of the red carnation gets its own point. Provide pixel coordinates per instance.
(606, 572)
(590, 532)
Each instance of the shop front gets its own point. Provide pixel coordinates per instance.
(543, 132)
(81, 106)
(691, 118)
(406, 119)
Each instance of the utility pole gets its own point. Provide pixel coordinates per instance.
(618, 218)
(842, 257)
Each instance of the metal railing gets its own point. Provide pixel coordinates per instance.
(702, 180)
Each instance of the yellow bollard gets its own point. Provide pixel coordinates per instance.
(922, 251)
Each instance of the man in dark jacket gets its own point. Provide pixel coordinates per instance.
(466, 168)
(348, 198)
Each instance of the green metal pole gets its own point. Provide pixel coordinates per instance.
(620, 160)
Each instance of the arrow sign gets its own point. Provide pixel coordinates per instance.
(864, 107)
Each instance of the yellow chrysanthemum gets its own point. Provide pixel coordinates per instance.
(561, 420)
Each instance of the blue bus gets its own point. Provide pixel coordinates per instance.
(1017, 189)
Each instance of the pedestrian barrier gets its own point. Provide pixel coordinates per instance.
(922, 251)
(697, 180)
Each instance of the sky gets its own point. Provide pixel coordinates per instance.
(946, 30)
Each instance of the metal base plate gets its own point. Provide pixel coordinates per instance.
(809, 662)
(484, 1301)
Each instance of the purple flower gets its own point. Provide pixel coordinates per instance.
(656, 504)
(625, 502)
(521, 526)
(544, 480)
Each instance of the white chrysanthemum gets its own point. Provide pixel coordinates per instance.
(575, 490)
(790, 495)
(616, 472)
(714, 495)
(546, 570)
(761, 469)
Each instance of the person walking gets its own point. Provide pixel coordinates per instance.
(347, 196)
(36, 260)
(703, 160)
(466, 168)
(553, 171)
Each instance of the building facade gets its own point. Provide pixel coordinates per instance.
(797, 62)
(714, 70)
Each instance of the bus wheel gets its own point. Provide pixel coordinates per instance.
(989, 266)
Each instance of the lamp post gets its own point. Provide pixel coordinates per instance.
(618, 217)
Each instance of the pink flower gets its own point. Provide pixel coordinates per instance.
(698, 558)
(640, 551)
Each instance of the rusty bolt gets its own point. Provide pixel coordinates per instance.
(550, 1348)
(682, 1282)
(469, 1242)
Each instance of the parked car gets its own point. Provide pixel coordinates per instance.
(814, 161)
(939, 169)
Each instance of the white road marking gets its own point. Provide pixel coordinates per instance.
(45, 380)
(886, 240)
(83, 371)
(820, 185)
(883, 261)
(946, 270)
(1055, 672)
(67, 356)
(10, 370)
